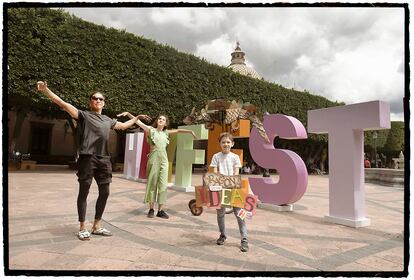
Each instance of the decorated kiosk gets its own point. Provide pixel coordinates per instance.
(220, 116)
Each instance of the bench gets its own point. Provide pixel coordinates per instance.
(28, 165)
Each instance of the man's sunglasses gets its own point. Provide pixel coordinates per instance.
(97, 98)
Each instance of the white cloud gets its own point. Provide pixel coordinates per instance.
(190, 18)
(345, 54)
(397, 117)
(213, 51)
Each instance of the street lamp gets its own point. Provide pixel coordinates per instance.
(375, 136)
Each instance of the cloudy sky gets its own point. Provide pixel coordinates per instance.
(345, 54)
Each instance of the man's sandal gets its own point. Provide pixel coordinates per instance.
(102, 231)
(84, 235)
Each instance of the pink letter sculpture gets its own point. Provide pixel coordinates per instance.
(133, 152)
(293, 176)
(345, 126)
(144, 151)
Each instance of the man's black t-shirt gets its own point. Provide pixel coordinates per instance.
(93, 130)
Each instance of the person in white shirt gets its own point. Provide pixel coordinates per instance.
(228, 163)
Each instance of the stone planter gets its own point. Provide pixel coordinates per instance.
(385, 176)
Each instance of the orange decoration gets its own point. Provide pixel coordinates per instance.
(213, 145)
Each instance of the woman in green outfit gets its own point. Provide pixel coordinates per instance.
(157, 165)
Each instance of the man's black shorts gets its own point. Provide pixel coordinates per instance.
(92, 166)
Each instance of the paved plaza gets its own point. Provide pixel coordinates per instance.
(42, 224)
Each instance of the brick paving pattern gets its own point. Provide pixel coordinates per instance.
(43, 227)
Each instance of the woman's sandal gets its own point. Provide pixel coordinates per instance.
(102, 231)
(84, 235)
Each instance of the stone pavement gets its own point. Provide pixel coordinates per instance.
(42, 225)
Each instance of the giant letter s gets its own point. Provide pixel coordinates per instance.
(293, 176)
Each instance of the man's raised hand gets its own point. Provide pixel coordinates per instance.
(41, 86)
(123, 114)
(144, 117)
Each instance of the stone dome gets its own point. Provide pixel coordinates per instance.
(238, 64)
(244, 70)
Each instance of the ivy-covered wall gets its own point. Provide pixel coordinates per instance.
(138, 75)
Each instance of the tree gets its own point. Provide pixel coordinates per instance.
(395, 141)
